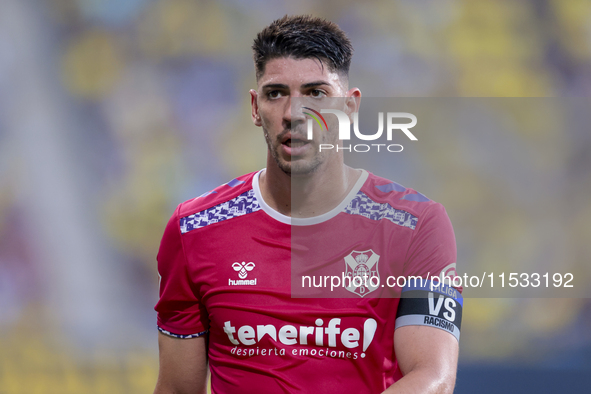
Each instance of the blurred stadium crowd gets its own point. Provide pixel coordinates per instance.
(114, 111)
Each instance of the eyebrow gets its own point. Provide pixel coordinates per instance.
(275, 86)
(305, 86)
(314, 84)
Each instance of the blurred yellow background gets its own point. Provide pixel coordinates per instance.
(114, 111)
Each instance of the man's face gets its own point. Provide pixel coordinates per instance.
(285, 130)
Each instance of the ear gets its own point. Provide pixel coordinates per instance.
(353, 100)
(254, 106)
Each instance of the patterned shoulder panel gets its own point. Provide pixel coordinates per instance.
(363, 205)
(240, 205)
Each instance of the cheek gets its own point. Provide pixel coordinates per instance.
(272, 111)
(266, 118)
(271, 122)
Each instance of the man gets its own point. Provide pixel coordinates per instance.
(225, 258)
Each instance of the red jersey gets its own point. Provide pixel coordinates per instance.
(228, 267)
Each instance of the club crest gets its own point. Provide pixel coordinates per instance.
(362, 268)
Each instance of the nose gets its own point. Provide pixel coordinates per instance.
(292, 113)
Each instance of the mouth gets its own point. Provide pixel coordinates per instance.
(294, 141)
(295, 145)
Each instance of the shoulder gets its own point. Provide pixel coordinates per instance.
(231, 198)
(391, 198)
(219, 195)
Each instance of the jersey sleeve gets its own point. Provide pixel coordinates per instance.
(432, 253)
(432, 250)
(180, 313)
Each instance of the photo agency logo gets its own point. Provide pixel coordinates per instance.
(392, 124)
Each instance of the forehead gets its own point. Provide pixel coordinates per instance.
(296, 72)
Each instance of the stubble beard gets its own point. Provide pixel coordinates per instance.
(300, 167)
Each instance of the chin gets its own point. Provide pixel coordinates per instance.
(299, 168)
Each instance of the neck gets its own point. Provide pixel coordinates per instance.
(307, 195)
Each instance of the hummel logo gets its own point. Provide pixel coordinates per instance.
(243, 268)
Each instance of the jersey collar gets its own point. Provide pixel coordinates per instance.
(311, 220)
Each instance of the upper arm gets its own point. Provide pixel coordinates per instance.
(429, 350)
(183, 365)
(429, 313)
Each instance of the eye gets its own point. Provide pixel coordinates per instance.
(273, 94)
(317, 93)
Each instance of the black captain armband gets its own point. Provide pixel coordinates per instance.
(430, 303)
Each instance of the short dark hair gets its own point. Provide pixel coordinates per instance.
(302, 37)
